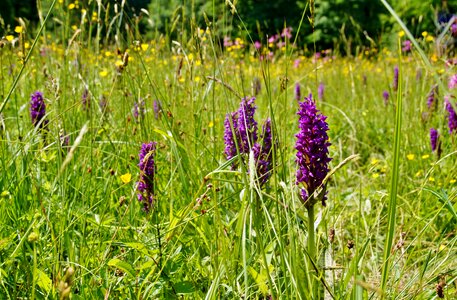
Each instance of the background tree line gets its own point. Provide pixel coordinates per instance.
(339, 24)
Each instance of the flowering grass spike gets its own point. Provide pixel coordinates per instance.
(312, 150)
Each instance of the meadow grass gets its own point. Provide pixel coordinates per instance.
(71, 223)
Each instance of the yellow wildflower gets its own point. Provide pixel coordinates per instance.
(144, 47)
(9, 38)
(18, 29)
(126, 178)
(103, 73)
(425, 156)
(71, 6)
(401, 34)
(410, 156)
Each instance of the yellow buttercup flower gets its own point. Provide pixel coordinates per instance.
(126, 178)
(18, 29)
(144, 47)
(71, 6)
(425, 156)
(424, 33)
(410, 156)
(9, 38)
(103, 73)
(401, 33)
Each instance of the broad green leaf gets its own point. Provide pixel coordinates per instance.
(122, 265)
(43, 281)
(184, 287)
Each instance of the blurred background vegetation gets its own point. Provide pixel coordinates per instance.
(343, 25)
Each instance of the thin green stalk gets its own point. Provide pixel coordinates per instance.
(311, 249)
(392, 205)
(34, 271)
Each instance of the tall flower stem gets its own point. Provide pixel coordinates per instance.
(311, 249)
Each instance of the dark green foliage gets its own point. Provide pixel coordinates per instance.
(11, 10)
(344, 24)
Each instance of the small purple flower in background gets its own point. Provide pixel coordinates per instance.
(433, 138)
(231, 138)
(273, 39)
(385, 96)
(431, 97)
(454, 30)
(241, 131)
(406, 46)
(227, 42)
(247, 126)
(297, 92)
(257, 45)
(287, 32)
(85, 99)
(147, 167)
(297, 63)
(256, 86)
(157, 107)
(452, 116)
(312, 150)
(395, 83)
(320, 91)
(38, 110)
(139, 109)
(452, 82)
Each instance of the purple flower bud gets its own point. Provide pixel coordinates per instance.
(454, 30)
(297, 92)
(320, 91)
(452, 116)
(433, 138)
(312, 150)
(395, 83)
(38, 110)
(385, 96)
(431, 97)
(145, 186)
(139, 109)
(257, 45)
(85, 99)
(157, 107)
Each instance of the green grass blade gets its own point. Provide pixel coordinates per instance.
(392, 206)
